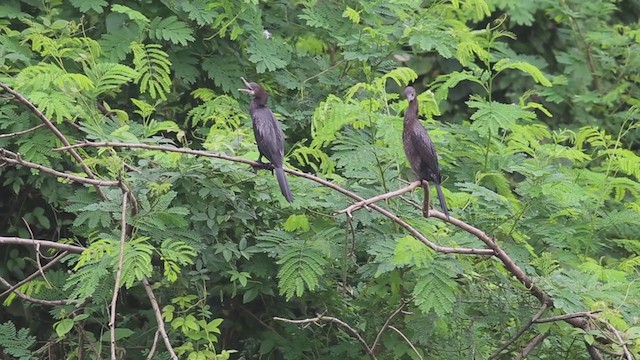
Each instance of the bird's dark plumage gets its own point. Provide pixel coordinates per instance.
(420, 151)
(269, 136)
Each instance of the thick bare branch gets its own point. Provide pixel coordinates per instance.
(56, 132)
(388, 214)
(583, 314)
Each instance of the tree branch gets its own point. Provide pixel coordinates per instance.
(374, 199)
(334, 320)
(18, 133)
(42, 243)
(531, 345)
(388, 214)
(34, 274)
(158, 315)
(386, 323)
(116, 286)
(17, 160)
(520, 332)
(567, 316)
(34, 300)
(56, 132)
(407, 340)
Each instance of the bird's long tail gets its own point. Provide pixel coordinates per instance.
(284, 185)
(443, 203)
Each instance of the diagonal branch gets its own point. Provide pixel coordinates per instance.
(17, 160)
(35, 274)
(386, 323)
(583, 314)
(34, 300)
(18, 133)
(532, 344)
(158, 315)
(521, 331)
(116, 287)
(56, 132)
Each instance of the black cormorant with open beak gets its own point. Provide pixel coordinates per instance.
(420, 152)
(269, 136)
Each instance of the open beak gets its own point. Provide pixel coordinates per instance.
(248, 89)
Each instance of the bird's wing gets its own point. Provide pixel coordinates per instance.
(269, 136)
(424, 146)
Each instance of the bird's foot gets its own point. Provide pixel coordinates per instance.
(263, 166)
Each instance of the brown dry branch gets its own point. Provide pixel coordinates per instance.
(348, 327)
(15, 159)
(34, 274)
(381, 197)
(386, 323)
(532, 344)
(388, 214)
(583, 314)
(158, 316)
(407, 340)
(42, 243)
(116, 287)
(18, 133)
(56, 132)
(616, 333)
(520, 332)
(494, 248)
(34, 300)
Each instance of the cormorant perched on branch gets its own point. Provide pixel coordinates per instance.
(420, 152)
(269, 136)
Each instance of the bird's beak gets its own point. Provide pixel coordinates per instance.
(248, 89)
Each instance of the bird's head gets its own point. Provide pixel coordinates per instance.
(410, 93)
(256, 91)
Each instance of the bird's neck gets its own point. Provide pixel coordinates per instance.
(258, 103)
(412, 111)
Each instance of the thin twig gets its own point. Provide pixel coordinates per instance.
(583, 314)
(520, 332)
(158, 315)
(152, 351)
(625, 349)
(74, 178)
(35, 274)
(116, 287)
(407, 340)
(34, 300)
(317, 319)
(386, 323)
(56, 132)
(388, 214)
(18, 133)
(531, 345)
(374, 199)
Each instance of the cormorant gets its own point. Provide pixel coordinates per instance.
(420, 152)
(269, 136)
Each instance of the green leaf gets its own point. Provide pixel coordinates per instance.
(62, 327)
(269, 54)
(535, 73)
(95, 5)
(171, 29)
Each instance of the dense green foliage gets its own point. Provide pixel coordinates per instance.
(532, 105)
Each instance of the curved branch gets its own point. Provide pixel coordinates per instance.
(34, 300)
(158, 316)
(381, 210)
(334, 320)
(17, 160)
(56, 132)
(116, 286)
(35, 274)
